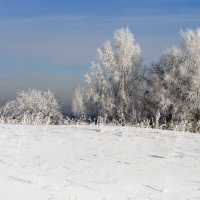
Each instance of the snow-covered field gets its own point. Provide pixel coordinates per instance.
(98, 163)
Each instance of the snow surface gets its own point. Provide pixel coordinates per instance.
(98, 163)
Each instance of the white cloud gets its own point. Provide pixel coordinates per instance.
(47, 18)
(158, 18)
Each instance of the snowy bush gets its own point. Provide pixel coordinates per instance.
(32, 107)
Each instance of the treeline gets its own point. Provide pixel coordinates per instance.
(120, 89)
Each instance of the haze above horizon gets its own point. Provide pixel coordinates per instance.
(50, 44)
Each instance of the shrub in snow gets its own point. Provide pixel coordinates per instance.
(33, 107)
(114, 85)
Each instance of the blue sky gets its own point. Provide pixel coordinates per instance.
(50, 44)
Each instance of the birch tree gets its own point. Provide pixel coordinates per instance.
(113, 86)
(180, 96)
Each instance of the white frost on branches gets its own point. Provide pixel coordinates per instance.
(181, 85)
(113, 86)
(33, 107)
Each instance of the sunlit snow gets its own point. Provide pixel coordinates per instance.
(97, 163)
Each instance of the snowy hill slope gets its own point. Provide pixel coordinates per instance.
(82, 162)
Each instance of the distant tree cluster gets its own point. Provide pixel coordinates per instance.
(119, 87)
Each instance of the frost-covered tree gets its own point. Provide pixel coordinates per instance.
(78, 105)
(154, 78)
(33, 107)
(180, 96)
(114, 84)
